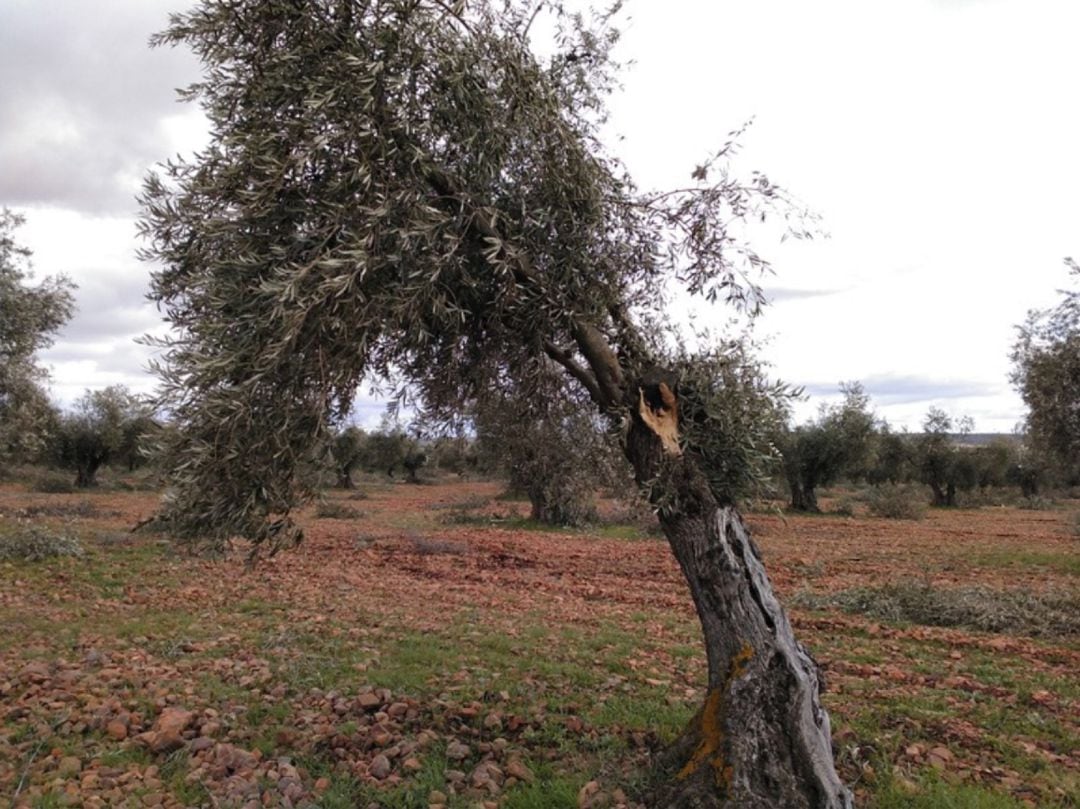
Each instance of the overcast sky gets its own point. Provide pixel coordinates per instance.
(936, 138)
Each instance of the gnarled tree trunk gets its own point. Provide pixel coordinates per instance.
(761, 739)
(803, 498)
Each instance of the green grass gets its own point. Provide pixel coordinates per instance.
(1065, 563)
(549, 791)
(933, 793)
(646, 709)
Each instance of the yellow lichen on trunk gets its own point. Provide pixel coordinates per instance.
(709, 725)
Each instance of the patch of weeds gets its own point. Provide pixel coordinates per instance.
(174, 772)
(1036, 502)
(320, 663)
(346, 792)
(981, 608)
(114, 539)
(1067, 563)
(512, 496)
(548, 791)
(216, 691)
(410, 662)
(82, 510)
(358, 495)
(53, 483)
(27, 542)
(623, 531)
(343, 793)
(426, 546)
(261, 713)
(465, 504)
(809, 570)
(121, 757)
(330, 510)
(22, 733)
(458, 515)
(897, 502)
(646, 709)
(149, 483)
(254, 606)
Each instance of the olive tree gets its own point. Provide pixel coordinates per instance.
(346, 451)
(103, 426)
(941, 464)
(892, 457)
(1046, 372)
(30, 315)
(838, 442)
(553, 449)
(407, 189)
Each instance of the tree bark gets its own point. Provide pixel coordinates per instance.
(939, 494)
(86, 474)
(803, 498)
(761, 739)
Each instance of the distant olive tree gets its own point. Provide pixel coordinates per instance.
(455, 454)
(838, 442)
(1046, 372)
(552, 449)
(30, 316)
(893, 457)
(100, 428)
(992, 462)
(940, 463)
(347, 452)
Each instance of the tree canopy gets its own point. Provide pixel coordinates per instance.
(103, 426)
(1046, 372)
(406, 190)
(30, 315)
(839, 442)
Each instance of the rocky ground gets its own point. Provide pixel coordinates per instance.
(427, 647)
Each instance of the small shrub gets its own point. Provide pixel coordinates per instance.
(53, 483)
(431, 547)
(1036, 502)
(895, 502)
(844, 507)
(82, 510)
(1074, 526)
(337, 511)
(136, 484)
(114, 539)
(26, 542)
(466, 515)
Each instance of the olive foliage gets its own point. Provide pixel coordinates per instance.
(553, 449)
(30, 315)
(838, 442)
(103, 427)
(1046, 372)
(408, 190)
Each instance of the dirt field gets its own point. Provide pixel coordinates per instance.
(427, 647)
